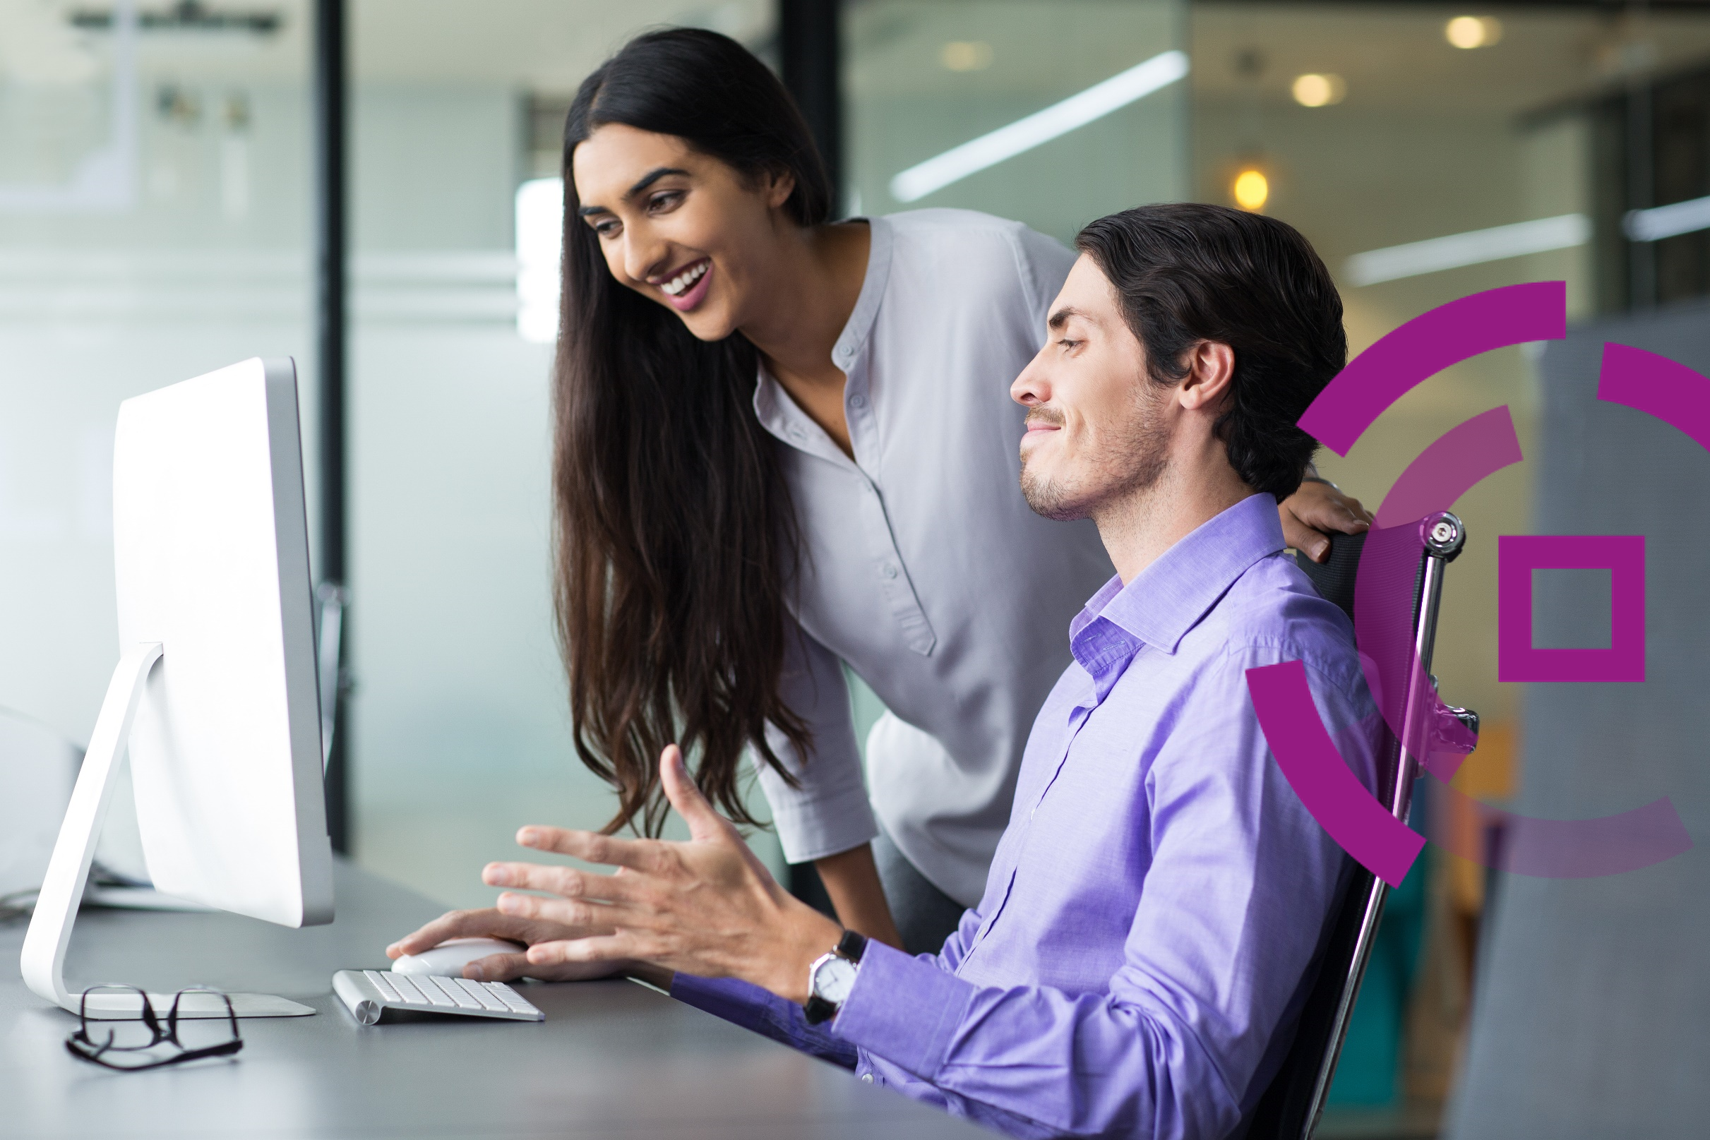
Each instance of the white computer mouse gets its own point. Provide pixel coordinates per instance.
(449, 957)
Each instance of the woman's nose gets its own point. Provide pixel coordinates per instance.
(643, 256)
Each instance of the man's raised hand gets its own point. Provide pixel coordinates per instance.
(707, 906)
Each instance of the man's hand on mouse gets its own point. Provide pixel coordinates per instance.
(490, 923)
(707, 906)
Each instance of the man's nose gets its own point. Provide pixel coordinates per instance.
(1032, 386)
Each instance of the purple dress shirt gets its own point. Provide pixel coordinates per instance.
(1142, 950)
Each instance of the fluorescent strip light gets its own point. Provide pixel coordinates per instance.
(1472, 248)
(1040, 127)
(1666, 221)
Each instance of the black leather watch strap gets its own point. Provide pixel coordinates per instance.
(851, 946)
(818, 1010)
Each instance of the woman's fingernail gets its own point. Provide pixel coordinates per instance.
(497, 876)
(509, 904)
(473, 972)
(528, 837)
(1318, 549)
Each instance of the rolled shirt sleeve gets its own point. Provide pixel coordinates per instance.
(828, 812)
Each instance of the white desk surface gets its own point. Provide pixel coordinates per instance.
(612, 1058)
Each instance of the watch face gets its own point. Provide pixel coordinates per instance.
(833, 978)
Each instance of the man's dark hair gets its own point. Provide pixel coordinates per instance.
(1188, 273)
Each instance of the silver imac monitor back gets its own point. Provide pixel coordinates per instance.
(215, 692)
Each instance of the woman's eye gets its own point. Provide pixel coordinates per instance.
(665, 200)
(607, 228)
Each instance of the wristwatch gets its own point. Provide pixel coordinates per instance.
(832, 976)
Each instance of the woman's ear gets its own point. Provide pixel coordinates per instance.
(777, 186)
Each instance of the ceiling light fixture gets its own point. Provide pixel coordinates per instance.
(1668, 221)
(1040, 127)
(1468, 32)
(1472, 248)
(1251, 189)
(966, 55)
(1318, 89)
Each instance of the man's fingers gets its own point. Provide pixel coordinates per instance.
(487, 923)
(696, 810)
(613, 948)
(566, 881)
(589, 846)
(594, 918)
(497, 968)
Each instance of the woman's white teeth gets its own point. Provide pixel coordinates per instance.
(683, 280)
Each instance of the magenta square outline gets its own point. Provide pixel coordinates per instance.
(1623, 555)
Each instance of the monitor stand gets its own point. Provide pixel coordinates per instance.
(68, 870)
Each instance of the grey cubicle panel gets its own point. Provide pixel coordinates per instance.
(1592, 1011)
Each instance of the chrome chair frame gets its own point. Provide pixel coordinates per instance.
(1293, 1103)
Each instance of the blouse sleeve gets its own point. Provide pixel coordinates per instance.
(829, 811)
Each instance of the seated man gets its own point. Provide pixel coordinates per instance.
(1144, 944)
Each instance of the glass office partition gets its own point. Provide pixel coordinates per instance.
(459, 713)
(1431, 152)
(1428, 154)
(1050, 113)
(154, 217)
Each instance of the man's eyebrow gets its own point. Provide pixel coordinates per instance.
(1061, 317)
(647, 180)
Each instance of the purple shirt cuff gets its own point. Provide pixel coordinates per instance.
(904, 1009)
(762, 1012)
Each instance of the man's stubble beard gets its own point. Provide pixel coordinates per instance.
(1132, 460)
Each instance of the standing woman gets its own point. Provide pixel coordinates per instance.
(781, 444)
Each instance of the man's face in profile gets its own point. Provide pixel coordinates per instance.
(1096, 426)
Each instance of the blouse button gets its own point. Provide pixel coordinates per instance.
(857, 401)
(889, 570)
(866, 1078)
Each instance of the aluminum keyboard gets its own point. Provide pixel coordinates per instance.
(369, 994)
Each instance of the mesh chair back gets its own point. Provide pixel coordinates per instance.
(1294, 1100)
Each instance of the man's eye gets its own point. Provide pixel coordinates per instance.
(1069, 344)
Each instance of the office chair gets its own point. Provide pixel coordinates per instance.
(1294, 1101)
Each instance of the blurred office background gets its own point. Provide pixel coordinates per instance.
(157, 220)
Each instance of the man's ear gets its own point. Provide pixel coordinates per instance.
(1211, 370)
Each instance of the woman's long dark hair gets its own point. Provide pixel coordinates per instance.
(675, 536)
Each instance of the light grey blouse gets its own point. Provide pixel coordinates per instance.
(923, 568)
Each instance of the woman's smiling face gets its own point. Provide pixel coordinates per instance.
(678, 226)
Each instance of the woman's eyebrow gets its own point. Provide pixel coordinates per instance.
(647, 180)
(650, 178)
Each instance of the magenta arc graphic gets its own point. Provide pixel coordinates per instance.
(1453, 464)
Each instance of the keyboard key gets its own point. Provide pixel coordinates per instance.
(480, 994)
(407, 990)
(431, 992)
(513, 1001)
(449, 988)
(383, 984)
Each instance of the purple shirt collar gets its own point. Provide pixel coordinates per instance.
(1170, 596)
